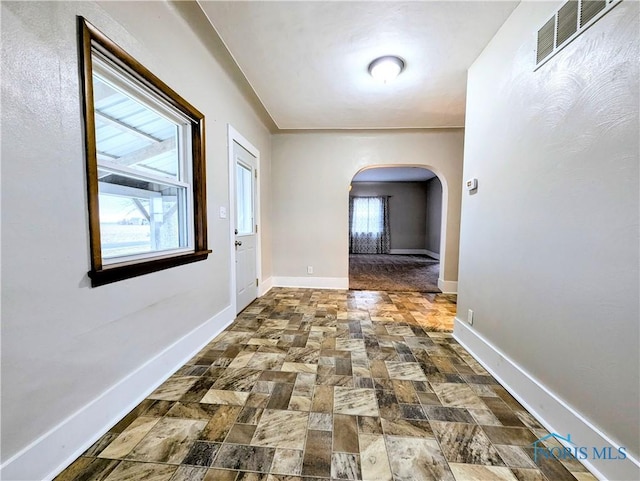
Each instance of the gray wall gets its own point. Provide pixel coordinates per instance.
(311, 173)
(434, 215)
(549, 243)
(407, 210)
(64, 343)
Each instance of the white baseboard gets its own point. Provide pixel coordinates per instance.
(448, 287)
(55, 450)
(265, 286)
(312, 282)
(552, 412)
(408, 251)
(421, 252)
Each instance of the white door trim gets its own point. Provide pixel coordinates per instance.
(234, 136)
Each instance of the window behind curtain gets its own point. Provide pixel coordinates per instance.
(369, 225)
(368, 217)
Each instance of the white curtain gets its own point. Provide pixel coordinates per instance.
(369, 225)
(367, 215)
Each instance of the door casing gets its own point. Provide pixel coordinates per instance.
(234, 136)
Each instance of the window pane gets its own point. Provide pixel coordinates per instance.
(367, 215)
(138, 217)
(244, 193)
(132, 135)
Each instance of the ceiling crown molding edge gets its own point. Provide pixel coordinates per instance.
(380, 130)
(192, 13)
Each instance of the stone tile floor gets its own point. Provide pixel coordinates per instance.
(310, 385)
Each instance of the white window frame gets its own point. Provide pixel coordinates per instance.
(116, 79)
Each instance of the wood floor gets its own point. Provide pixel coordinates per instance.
(310, 385)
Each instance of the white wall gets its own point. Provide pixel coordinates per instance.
(407, 210)
(64, 344)
(434, 215)
(311, 174)
(549, 244)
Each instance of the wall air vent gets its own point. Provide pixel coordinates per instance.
(567, 23)
(573, 18)
(545, 39)
(589, 9)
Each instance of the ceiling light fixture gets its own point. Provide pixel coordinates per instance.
(385, 69)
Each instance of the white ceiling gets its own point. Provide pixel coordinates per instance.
(307, 61)
(394, 174)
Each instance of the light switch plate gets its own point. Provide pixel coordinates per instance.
(471, 184)
(223, 212)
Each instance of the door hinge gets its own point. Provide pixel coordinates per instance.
(256, 228)
(256, 172)
(256, 282)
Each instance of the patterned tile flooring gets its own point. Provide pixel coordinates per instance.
(310, 385)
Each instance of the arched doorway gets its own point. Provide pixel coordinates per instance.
(395, 229)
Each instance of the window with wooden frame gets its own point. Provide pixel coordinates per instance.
(145, 166)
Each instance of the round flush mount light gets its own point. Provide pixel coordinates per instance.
(385, 69)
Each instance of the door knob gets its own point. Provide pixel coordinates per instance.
(238, 243)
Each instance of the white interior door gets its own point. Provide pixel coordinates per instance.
(245, 226)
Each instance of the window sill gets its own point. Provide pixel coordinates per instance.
(127, 271)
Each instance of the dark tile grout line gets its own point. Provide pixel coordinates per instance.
(448, 363)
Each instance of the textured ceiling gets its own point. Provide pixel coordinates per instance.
(307, 61)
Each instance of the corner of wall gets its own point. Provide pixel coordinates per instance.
(73, 436)
(265, 286)
(556, 415)
(448, 287)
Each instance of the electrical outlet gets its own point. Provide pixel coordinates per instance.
(470, 317)
(309, 269)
